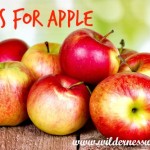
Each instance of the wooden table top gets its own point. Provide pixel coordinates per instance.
(28, 137)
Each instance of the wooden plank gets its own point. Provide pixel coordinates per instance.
(28, 137)
(89, 133)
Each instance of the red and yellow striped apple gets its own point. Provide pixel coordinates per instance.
(15, 83)
(58, 104)
(43, 59)
(88, 56)
(120, 106)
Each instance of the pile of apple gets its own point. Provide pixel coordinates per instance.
(50, 84)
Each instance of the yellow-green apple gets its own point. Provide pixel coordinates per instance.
(120, 106)
(15, 82)
(43, 59)
(59, 104)
(139, 62)
(12, 49)
(89, 56)
(125, 52)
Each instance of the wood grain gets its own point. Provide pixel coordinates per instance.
(28, 137)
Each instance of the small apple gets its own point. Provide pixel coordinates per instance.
(125, 52)
(139, 62)
(120, 106)
(15, 82)
(43, 59)
(58, 105)
(12, 50)
(89, 56)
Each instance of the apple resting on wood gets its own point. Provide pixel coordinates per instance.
(58, 104)
(12, 50)
(120, 106)
(43, 59)
(15, 83)
(89, 56)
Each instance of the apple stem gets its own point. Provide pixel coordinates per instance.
(122, 43)
(105, 36)
(75, 84)
(89, 89)
(47, 46)
(124, 61)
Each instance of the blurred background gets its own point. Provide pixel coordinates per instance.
(129, 19)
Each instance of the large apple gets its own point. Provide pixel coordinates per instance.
(43, 59)
(15, 82)
(120, 106)
(88, 56)
(12, 50)
(58, 104)
(139, 62)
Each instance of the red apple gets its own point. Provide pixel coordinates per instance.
(88, 56)
(15, 82)
(58, 104)
(139, 62)
(12, 50)
(120, 106)
(43, 59)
